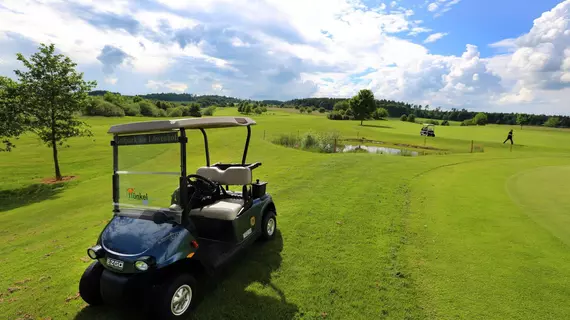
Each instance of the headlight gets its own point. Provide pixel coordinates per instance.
(141, 265)
(94, 252)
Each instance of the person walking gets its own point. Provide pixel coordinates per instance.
(509, 137)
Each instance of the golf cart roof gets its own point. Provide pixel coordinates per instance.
(191, 123)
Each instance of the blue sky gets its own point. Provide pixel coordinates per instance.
(501, 55)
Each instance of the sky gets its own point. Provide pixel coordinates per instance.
(488, 55)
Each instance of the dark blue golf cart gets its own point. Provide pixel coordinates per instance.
(170, 226)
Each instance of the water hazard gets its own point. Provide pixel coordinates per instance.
(380, 150)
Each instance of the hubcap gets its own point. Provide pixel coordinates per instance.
(181, 300)
(270, 226)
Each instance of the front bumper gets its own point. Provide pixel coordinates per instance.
(119, 288)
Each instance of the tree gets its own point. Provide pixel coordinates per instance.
(522, 119)
(380, 113)
(302, 110)
(12, 119)
(404, 118)
(341, 105)
(412, 118)
(362, 105)
(194, 110)
(480, 119)
(52, 93)
(247, 108)
(322, 110)
(552, 122)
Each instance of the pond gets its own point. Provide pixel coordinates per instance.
(379, 150)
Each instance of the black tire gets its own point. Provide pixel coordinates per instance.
(90, 284)
(266, 233)
(164, 295)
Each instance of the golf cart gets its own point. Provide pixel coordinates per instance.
(427, 130)
(160, 241)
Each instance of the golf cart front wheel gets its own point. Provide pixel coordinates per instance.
(175, 297)
(268, 226)
(90, 284)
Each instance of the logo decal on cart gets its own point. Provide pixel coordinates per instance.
(252, 221)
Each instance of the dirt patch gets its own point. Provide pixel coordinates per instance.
(54, 180)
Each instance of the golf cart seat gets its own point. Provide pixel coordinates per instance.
(224, 209)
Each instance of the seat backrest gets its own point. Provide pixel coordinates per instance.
(232, 176)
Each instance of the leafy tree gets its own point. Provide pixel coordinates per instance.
(363, 105)
(257, 110)
(380, 113)
(209, 111)
(322, 110)
(137, 99)
(552, 122)
(247, 109)
(194, 110)
(12, 119)
(302, 110)
(53, 92)
(445, 123)
(309, 110)
(522, 119)
(341, 105)
(404, 118)
(412, 118)
(480, 119)
(148, 109)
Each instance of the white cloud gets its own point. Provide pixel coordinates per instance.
(111, 80)
(435, 37)
(433, 7)
(217, 87)
(393, 4)
(169, 85)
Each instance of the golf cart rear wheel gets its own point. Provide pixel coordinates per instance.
(268, 226)
(89, 285)
(175, 297)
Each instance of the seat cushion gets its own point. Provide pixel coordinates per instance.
(226, 209)
(231, 176)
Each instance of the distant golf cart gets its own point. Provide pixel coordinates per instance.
(427, 130)
(153, 255)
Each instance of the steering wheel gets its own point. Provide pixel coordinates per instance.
(202, 185)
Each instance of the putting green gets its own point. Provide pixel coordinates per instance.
(543, 195)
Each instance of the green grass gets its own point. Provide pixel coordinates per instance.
(362, 236)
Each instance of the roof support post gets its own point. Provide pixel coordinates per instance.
(206, 148)
(246, 145)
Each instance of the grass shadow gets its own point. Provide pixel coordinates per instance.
(33, 193)
(226, 295)
(376, 126)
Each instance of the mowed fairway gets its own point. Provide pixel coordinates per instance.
(362, 236)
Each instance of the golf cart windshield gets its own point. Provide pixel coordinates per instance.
(149, 160)
(148, 170)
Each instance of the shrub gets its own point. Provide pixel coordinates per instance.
(287, 140)
(309, 141)
(132, 109)
(322, 110)
(97, 107)
(467, 122)
(445, 123)
(176, 112)
(335, 115)
(193, 110)
(552, 122)
(137, 99)
(209, 111)
(434, 122)
(345, 117)
(148, 109)
(309, 111)
(404, 118)
(412, 118)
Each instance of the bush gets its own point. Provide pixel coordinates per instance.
(194, 110)
(209, 111)
(309, 111)
(176, 112)
(345, 117)
(335, 115)
(445, 123)
(132, 109)
(404, 118)
(434, 122)
(148, 109)
(309, 141)
(97, 107)
(467, 122)
(137, 99)
(322, 110)
(287, 140)
(552, 122)
(412, 118)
